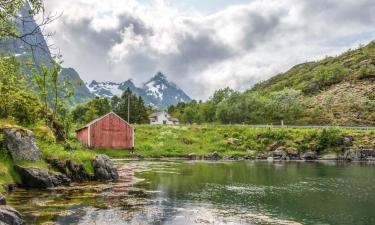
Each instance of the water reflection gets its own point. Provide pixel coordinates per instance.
(247, 192)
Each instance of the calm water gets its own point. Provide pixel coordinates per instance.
(212, 193)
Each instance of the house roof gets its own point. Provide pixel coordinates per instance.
(175, 120)
(96, 120)
(155, 114)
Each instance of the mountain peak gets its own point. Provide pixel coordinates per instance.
(159, 76)
(157, 92)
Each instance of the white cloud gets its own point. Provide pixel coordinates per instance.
(237, 46)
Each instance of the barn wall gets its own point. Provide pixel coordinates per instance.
(82, 136)
(111, 132)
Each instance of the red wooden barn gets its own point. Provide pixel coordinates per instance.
(108, 131)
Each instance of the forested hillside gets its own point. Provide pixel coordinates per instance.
(336, 90)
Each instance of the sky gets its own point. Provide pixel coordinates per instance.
(204, 45)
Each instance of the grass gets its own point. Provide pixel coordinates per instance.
(48, 147)
(79, 154)
(180, 141)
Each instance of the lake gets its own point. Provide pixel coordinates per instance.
(199, 192)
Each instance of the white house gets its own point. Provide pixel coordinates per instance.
(160, 118)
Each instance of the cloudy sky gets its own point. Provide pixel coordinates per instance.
(203, 45)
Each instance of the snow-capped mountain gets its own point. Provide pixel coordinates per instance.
(157, 92)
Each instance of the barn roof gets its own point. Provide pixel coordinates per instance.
(96, 120)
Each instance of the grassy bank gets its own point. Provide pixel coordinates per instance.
(180, 141)
(48, 147)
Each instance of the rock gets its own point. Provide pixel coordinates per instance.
(279, 154)
(104, 169)
(276, 145)
(192, 156)
(21, 144)
(292, 153)
(187, 141)
(249, 157)
(359, 154)
(232, 141)
(9, 216)
(61, 179)
(330, 156)
(34, 177)
(76, 172)
(2, 200)
(73, 171)
(310, 155)
(345, 141)
(213, 156)
(9, 187)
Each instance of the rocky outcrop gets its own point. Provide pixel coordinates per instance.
(359, 155)
(104, 169)
(76, 172)
(310, 155)
(2, 200)
(10, 216)
(213, 156)
(40, 178)
(21, 144)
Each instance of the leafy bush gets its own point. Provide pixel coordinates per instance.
(367, 71)
(330, 74)
(328, 138)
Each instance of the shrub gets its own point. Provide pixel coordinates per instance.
(330, 74)
(328, 138)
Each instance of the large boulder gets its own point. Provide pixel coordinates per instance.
(2, 200)
(310, 155)
(9, 216)
(21, 144)
(34, 177)
(104, 169)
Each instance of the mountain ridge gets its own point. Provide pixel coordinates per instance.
(41, 55)
(158, 91)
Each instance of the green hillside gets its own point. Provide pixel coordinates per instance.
(333, 91)
(314, 77)
(340, 89)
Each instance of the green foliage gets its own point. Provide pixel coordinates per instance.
(328, 75)
(8, 13)
(366, 71)
(85, 113)
(327, 139)
(251, 107)
(138, 111)
(15, 100)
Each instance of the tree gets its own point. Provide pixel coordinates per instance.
(15, 101)
(93, 109)
(138, 111)
(9, 17)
